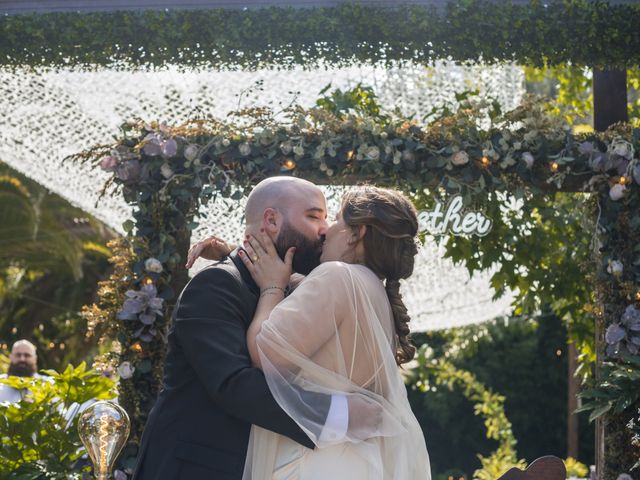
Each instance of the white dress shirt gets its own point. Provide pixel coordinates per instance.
(335, 428)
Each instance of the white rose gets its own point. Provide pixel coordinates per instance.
(166, 171)
(617, 192)
(226, 142)
(153, 265)
(528, 159)
(621, 148)
(460, 158)
(245, 149)
(286, 148)
(373, 153)
(125, 370)
(615, 268)
(191, 152)
(298, 150)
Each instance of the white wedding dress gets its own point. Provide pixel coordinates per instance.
(334, 335)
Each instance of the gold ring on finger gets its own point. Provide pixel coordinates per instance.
(254, 258)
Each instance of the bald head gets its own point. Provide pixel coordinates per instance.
(24, 345)
(279, 193)
(293, 213)
(23, 359)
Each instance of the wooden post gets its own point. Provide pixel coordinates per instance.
(609, 107)
(573, 388)
(609, 98)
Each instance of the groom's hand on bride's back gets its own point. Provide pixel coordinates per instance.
(365, 417)
(211, 248)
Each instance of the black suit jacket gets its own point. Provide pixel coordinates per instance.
(199, 426)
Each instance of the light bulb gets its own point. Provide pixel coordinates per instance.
(103, 429)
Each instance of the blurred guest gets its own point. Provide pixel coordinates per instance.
(23, 361)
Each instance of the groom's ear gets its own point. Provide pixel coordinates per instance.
(271, 220)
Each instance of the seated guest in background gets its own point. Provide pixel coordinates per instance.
(23, 362)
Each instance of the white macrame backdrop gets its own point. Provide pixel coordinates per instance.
(48, 115)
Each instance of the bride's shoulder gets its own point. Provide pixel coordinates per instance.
(337, 269)
(333, 269)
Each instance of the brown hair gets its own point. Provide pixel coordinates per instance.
(390, 247)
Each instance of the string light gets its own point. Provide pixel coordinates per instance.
(136, 347)
(350, 155)
(554, 167)
(485, 161)
(558, 352)
(288, 164)
(638, 296)
(147, 281)
(623, 180)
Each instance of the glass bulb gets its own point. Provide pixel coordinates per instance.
(103, 429)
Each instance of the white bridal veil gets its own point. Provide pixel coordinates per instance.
(335, 335)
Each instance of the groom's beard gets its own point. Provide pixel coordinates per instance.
(21, 370)
(307, 255)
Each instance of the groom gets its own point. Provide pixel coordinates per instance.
(199, 426)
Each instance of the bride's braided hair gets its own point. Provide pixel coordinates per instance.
(390, 247)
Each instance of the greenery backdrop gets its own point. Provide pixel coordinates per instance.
(577, 31)
(51, 257)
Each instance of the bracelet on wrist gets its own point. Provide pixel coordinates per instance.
(266, 289)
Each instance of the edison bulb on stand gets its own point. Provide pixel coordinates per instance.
(103, 429)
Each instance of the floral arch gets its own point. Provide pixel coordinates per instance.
(165, 171)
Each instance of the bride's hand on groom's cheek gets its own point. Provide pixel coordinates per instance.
(264, 263)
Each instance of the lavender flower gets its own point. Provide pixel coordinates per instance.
(142, 305)
(153, 146)
(586, 148)
(169, 148)
(623, 337)
(156, 145)
(128, 171)
(108, 163)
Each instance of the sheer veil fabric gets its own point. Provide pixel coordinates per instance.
(335, 335)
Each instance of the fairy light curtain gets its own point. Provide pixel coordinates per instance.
(47, 115)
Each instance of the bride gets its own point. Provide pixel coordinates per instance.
(344, 330)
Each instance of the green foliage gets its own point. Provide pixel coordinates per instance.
(523, 359)
(488, 404)
(575, 468)
(4, 361)
(31, 234)
(535, 33)
(38, 440)
(51, 256)
(543, 247)
(616, 389)
(361, 99)
(570, 93)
